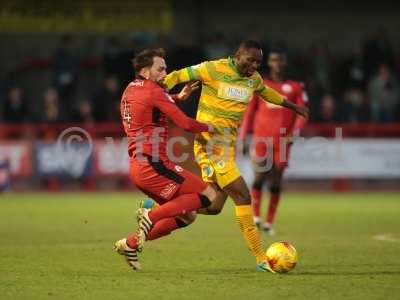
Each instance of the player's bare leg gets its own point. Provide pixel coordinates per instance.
(217, 204)
(240, 194)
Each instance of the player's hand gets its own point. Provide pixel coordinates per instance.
(188, 90)
(211, 128)
(299, 109)
(302, 110)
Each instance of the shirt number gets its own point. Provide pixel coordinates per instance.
(126, 113)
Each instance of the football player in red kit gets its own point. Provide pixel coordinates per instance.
(273, 130)
(145, 107)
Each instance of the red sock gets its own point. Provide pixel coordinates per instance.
(175, 207)
(273, 204)
(256, 201)
(162, 228)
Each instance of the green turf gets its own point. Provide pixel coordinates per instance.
(58, 246)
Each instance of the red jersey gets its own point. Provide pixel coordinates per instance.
(267, 119)
(145, 107)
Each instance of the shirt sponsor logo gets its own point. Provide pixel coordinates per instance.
(240, 94)
(137, 83)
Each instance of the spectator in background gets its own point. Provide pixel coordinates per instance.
(83, 113)
(117, 60)
(52, 111)
(15, 108)
(384, 95)
(355, 106)
(355, 74)
(66, 70)
(321, 65)
(111, 56)
(376, 51)
(216, 47)
(185, 53)
(106, 101)
(328, 109)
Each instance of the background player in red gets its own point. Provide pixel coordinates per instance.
(273, 129)
(145, 107)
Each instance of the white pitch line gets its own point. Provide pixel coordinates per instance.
(386, 237)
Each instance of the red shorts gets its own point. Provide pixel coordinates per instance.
(164, 180)
(265, 148)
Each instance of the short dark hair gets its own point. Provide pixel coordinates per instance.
(250, 44)
(277, 50)
(145, 58)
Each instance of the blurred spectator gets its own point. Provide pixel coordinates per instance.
(52, 111)
(216, 47)
(16, 109)
(66, 69)
(186, 53)
(355, 106)
(106, 101)
(355, 73)
(365, 95)
(117, 60)
(84, 113)
(111, 57)
(384, 95)
(321, 65)
(377, 50)
(125, 69)
(328, 109)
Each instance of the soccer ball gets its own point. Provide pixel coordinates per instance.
(282, 257)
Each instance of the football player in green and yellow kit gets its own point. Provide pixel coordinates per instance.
(227, 87)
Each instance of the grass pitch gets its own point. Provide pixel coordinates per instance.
(59, 246)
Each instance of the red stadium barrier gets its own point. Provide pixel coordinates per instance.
(99, 130)
(29, 150)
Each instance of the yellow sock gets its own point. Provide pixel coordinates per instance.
(244, 217)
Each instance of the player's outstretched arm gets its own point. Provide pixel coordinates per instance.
(167, 105)
(300, 121)
(176, 77)
(270, 95)
(198, 72)
(299, 109)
